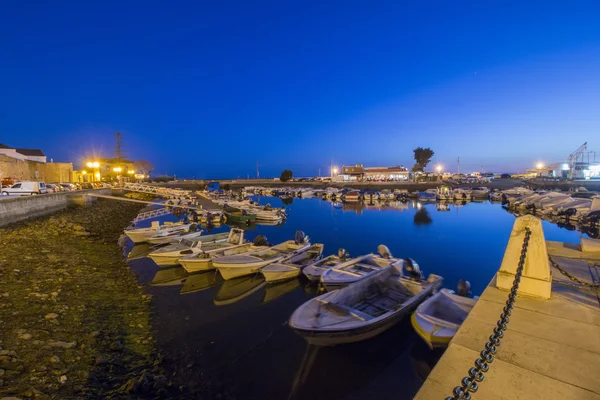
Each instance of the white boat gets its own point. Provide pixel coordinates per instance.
(166, 236)
(140, 235)
(461, 194)
(293, 267)
(352, 197)
(203, 260)
(480, 192)
(170, 255)
(358, 269)
(438, 318)
(362, 310)
(428, 195)
(245, 264)
(314, 271)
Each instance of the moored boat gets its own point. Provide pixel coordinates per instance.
(362, 310)
(245, 264)
(293, 267)
(170, 255)
(238, 215)
(314, 271)
(438, 318)
(141, 235)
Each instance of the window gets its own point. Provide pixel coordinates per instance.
(16, 186)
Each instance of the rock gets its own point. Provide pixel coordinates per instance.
(10, 398)
(63, 379)
(51, 316)
(4, 352)
(54, 359)
(64, 345)
(101, 360)
(81, 233)
(95, 334)
(2, 372)
(160, 382)
(117, 346)
(78, 228)
(25, 336)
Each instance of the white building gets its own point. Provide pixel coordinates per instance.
(23, 154)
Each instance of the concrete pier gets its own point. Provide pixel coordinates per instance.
(551, 349)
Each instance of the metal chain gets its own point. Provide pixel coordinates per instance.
(482, 364)
(571, 277)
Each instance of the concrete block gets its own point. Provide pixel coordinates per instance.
(590, 245)
(536, 280)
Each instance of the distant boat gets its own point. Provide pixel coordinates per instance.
(169, 236)
(293, 267)
(170, 255)
(249, 263)
(437, 320)
(361, 310)
(352, 197)
(238, 215)
(140, 235)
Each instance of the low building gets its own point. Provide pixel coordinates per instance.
(105, 169)
(19, 164)
(581, 171)
(353, 172)
(399, 173)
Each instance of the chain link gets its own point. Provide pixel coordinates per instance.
(571, 277)
(482, 364)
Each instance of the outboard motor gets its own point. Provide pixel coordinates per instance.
(193, 227)
(343, 254)
(300, 237)
(384, 252)
(412, 269)
(463, 288)
(260, 240)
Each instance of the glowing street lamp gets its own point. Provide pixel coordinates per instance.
(117, 169)
(83, 172)
(540, 165)
(439, 168)
(97, 175)
(130, 172)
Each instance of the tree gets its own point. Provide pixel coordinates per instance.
(143, 166)
(286, 175)
(422, 157)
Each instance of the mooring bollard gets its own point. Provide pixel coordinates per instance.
(537, 277)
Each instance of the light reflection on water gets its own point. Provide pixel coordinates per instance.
(232, 337)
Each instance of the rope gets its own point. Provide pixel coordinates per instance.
(482, 364)
(573, 278)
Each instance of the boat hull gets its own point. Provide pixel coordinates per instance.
(425, 330)
(197, 264)
(164, 260)
(140, 237)
(230, 271)
(278, 276)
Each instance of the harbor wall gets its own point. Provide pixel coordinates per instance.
(15, 209)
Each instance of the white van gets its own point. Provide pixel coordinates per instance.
(25, 188)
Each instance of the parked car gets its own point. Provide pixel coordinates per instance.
(67, 186)
(25, 188)
(50, 188)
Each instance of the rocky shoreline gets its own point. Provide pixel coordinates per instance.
(74, 322)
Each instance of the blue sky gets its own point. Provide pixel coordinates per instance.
(207, 89)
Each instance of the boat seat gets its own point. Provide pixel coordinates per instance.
(342, 309)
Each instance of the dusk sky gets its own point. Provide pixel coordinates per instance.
(207, 89)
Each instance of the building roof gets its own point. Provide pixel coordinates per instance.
(31, 152)
(384, 170)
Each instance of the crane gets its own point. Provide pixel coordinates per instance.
(574, 157)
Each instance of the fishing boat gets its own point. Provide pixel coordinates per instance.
(314, 271)
(362, 310)
(245, 264)
(203, 260)
(438, 318)
(166, 236)
(358, 269)
(238, 215)
(170, 255)
(141, 235)
(352, 196)
(236, 289)
(293, 267)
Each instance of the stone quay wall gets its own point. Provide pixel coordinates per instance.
(16, 209)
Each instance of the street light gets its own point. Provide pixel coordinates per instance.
(117, 169)
(97, 175)
(130, 172)
(439, 168)
(540, 165)
(335, 170)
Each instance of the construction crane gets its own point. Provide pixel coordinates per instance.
(573, 158)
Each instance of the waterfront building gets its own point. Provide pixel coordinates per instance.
(105, 169)
(20, 164)
(358, 172)
(583, 170)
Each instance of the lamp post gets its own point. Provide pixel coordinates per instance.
(439, 170)
(540, 167)
(94, 165)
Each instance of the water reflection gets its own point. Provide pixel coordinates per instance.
(422, 217)
(234, 290)
(173, 276)
(275, 290)
(199, 281)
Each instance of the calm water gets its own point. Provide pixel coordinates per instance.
(231, 339)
